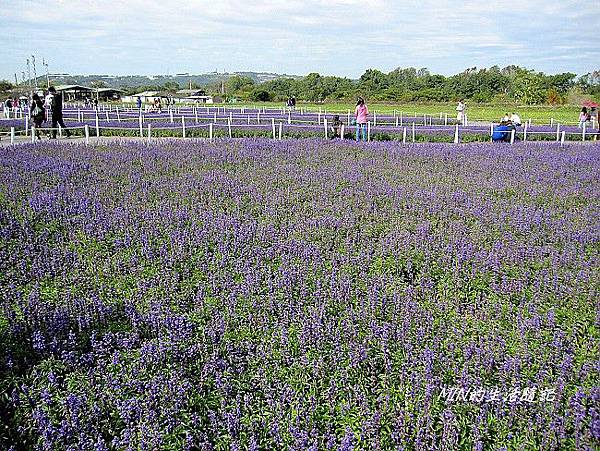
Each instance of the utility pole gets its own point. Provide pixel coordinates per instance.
(16, 80)
(34, 72)
(29, 75)
(47, 74)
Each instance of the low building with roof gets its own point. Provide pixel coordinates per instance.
(109, 93)
(146, 96)
(75, 92)
(193, 96)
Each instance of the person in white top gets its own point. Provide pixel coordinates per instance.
(48, 100)
(461, 112)
(506, 118)
(515, 119)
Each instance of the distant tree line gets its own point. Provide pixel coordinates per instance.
(509, 84)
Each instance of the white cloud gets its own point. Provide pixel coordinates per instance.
(330, 36)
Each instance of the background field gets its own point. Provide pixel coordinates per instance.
(476, 112)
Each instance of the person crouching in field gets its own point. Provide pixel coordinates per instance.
(361, 112)
(502, 132)
(515, 119)
(336, 127)
(37, 113)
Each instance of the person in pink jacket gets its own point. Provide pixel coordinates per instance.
(361, 112)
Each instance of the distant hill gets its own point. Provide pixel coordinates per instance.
(131, 81)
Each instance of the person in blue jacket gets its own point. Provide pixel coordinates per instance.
(501, 132)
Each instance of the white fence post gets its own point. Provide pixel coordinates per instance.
(141, 121)
(171, 115)
(404, 136)
(26, 124)
(12, 135)
(196, 114)
(183, 126)
(456, 135)
(348, 118)
(325, 127)
(396, 121)
(413, 132)
(512, 136)
(229, 128)
(369, 131)
(97, 127)
(562, 138)
(107, 117)
(210, 131)
(525, 133)
(273, 126)
(59, 131)
(149, 132)
(86, 129)
(557, 132)
(374, 118)
(583, 133)
(342, 133)
(280, 130)
(118, 115)
(32, 135)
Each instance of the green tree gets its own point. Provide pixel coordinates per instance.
(260, 95)
(6, 86)
(239, 83)
(170, 86)
(560, 82)
(528, 88)
(373, 82)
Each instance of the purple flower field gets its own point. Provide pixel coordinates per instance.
(299, 295)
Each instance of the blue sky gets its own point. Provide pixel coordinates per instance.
(334, 37)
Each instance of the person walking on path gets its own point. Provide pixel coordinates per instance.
(361, 113)
(56, 112)
(37, 113)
